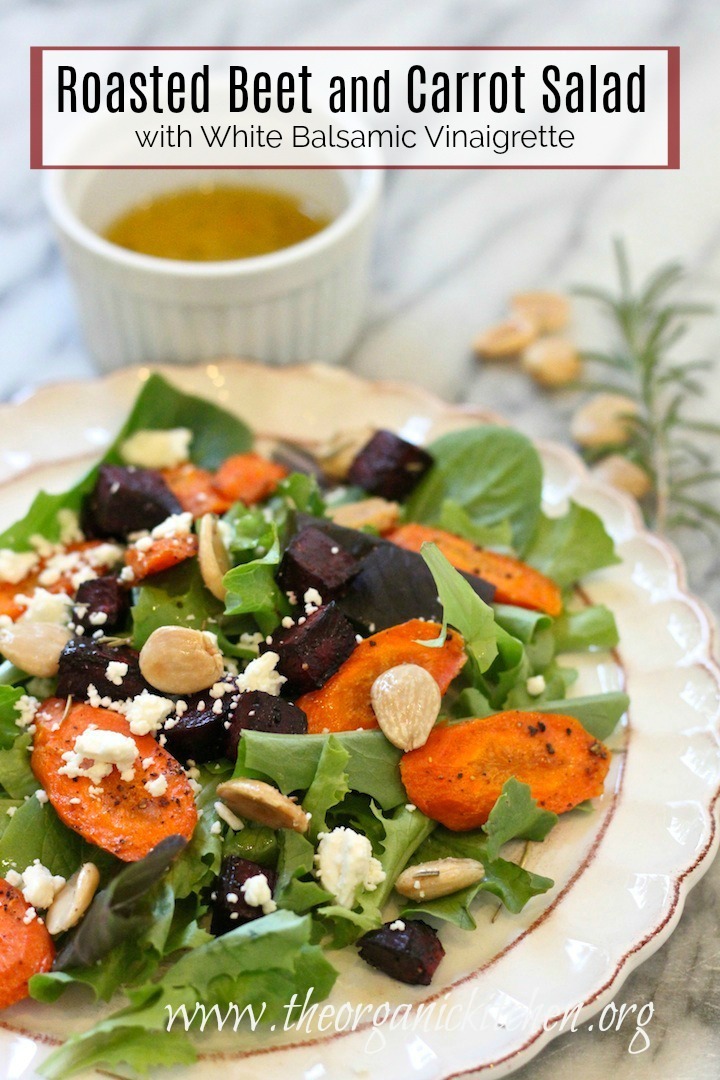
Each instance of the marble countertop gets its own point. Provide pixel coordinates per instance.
(451, 248)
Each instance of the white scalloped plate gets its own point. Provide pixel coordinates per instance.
(621, 874)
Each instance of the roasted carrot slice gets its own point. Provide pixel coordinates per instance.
(515, 582)
(166, 552)
(457, 776)
(26, 948)
(118, 815)
(193, 488)
(343, 703)
(249, 478)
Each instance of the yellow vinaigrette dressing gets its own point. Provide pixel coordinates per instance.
(216, 222)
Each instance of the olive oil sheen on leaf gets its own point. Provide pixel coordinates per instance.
(215, 223)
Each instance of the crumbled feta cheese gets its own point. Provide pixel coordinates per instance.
(216, 828)
(175, 525)
(260, 674)
(26, 707)
(16, 565)
(44, 606)
(11, 811)
(312, 600)
(345, 863)
(105, 750)
(287, 622)
(535, 685)
(29, 915)
(127, 575)
(146, 712)
(69, 525)
(228, 817)
(156, 787)
(13, 878)
(116, 671)
(97, 618)
(41, 796)
(38, 885)
(397, 925)
(219, 689)
(257, 893)
(157, 449)
(410, 806)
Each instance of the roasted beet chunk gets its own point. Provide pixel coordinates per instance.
(198, 733)
(389, 466)
(311, 651)
(127, 500)
(230, 909)
(101, 604)
(258, 711)
(314, 561)
(85, 663)
(410, 955)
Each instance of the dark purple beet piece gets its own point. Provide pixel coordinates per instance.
(198, 734)
(311, 651)
(410, 955)
(126, 500)
(101, 596)
(258, 711)
(313, 561)
(229, 899)
(84, 663)
(389, 466)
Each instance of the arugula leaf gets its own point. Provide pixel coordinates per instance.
(291, 762)
(329, 785)
(262, 964)
(599, 714)
(455, 519)
(176, 597)
(493, 473)
(463, 609)
(159, 405)
(9, 697)
(568, 548)
(16, 776)
(516, 816)
(590, 628)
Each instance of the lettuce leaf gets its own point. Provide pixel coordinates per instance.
(291, 762)
(568, 548)
(455, 519)
(9, 731)
(599, 714)
(591, 627)
(329, 786)
(16, 776)
(492, 473)
(36, 832)
(262, 964)
(176, 597)
(159, 405)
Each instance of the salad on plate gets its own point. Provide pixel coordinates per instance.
(259, 704)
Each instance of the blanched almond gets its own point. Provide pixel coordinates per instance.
(379, 513)
(212, 555)
(178, 660)
(338, 453)
(604, 420)
(506, 339)
(73, 900)
(550, 310)
(426, 881)
(35, 647)
(261, 802)
(552, 361)
(406, 700)
(624, 475)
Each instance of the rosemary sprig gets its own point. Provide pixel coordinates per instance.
(642, 363)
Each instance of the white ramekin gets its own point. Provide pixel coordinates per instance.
(304, 302)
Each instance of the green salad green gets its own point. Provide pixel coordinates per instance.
(147, 934)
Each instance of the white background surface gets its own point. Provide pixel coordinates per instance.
(451, 248)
